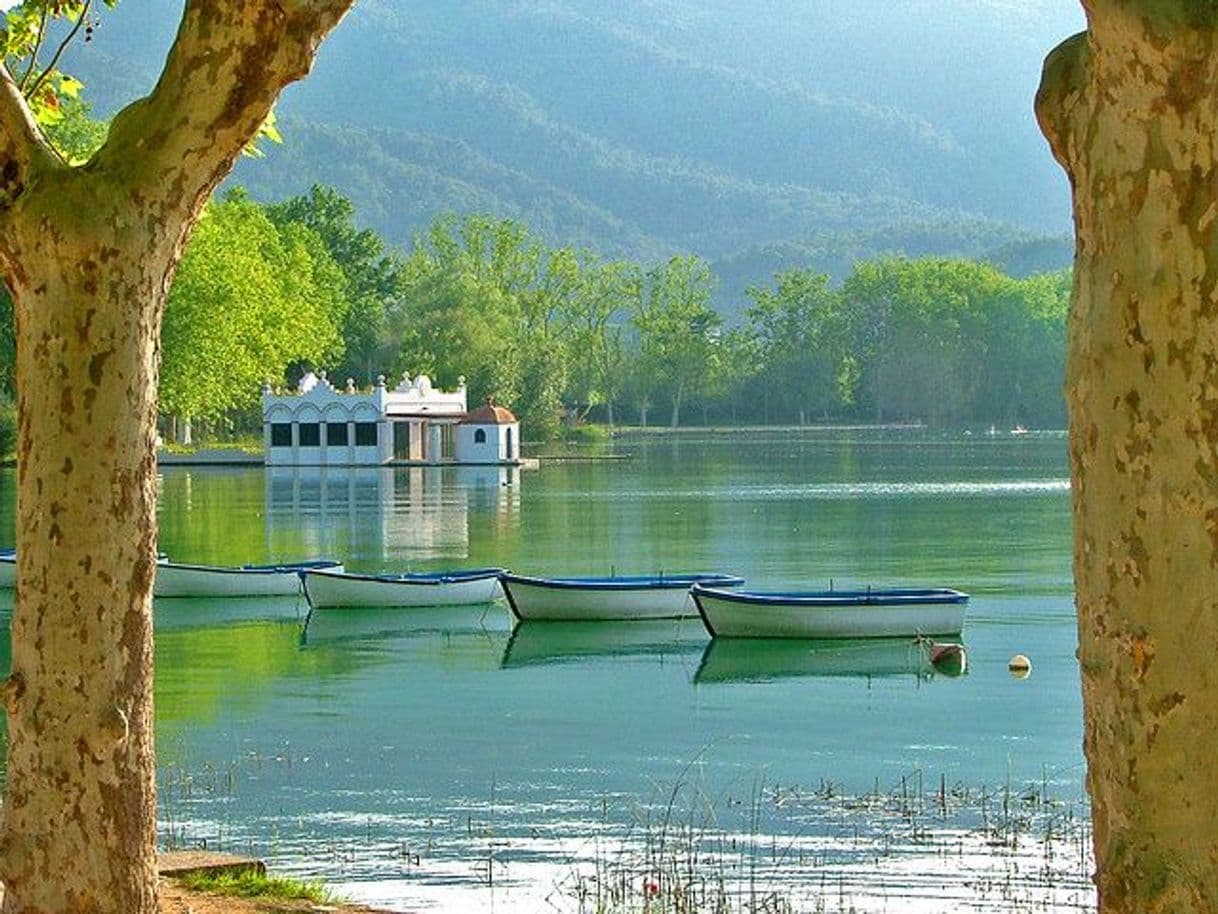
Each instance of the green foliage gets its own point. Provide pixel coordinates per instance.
(559, 334)
(562, 336)
(76, 134)
(587, 434)
(802, 329)
(952, 340)
(485, 301)
(36, 34)
(8, 427)
(8, 345)
(678, 331)
(594, 325)
(248, 301)
(250, 884)
(371, 278)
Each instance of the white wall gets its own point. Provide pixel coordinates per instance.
(493, 450)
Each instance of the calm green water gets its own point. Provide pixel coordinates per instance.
(434, 760)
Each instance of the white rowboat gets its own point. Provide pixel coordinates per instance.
(607, 599)
(831, 614)
(174, 579)
(327, 588)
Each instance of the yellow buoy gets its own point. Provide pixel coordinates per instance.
(1020, 666)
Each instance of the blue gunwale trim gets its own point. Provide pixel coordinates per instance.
(626, 582)
(422, 578)
(844, 598)
(284, 568)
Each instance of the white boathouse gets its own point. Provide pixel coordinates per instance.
(488, 434)
(414, 422)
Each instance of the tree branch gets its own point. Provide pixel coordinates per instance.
(21, 143)
(42, 30)
(227, 66)
(22, 151)
(63, 46)
(1062, 87)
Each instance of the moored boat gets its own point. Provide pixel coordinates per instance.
(872, 613)
(175, 579)
(8, 568)
(661, 596)
(337, 588)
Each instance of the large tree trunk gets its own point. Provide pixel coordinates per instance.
(89, 252)
(80, 802)
(1129, 108)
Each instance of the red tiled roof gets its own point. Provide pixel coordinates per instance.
(489, 414)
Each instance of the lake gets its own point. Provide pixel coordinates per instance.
(434, 760)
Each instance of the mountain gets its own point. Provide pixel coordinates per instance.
(645, 128)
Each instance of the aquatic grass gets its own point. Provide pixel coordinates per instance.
(1005, 849)
(746, 847)
(251, 884)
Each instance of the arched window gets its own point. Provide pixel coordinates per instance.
(480, 436)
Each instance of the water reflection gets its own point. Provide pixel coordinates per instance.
(408, 759)
(557, 642)
(170, 613)
(335, 627)
(387, 516)
(760, 659)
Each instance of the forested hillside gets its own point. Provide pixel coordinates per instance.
(778, 132)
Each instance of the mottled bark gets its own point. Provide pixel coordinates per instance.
(1129, 109)
(89, 253)
(79, 801)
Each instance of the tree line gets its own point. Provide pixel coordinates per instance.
(567, 337)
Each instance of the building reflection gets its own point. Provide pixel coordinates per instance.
(387, 517)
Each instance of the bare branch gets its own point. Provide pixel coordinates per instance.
(227, 66)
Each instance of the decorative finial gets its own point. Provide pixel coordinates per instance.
(460, 380)
(350, 385)
(266, 385)
(380, 380)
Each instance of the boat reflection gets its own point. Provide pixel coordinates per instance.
(171, 613)
(534, 643)
(332, 626)
(762, 659)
